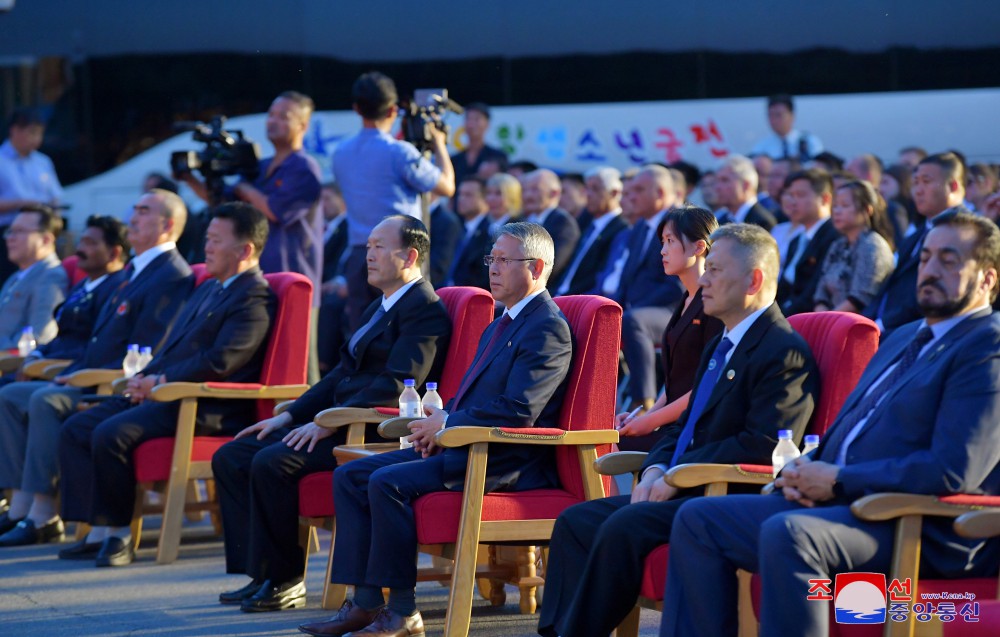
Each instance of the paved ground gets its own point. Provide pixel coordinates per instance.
(42, 595)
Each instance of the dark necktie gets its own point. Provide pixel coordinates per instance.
(501, 327)
(845, 424)
(353, 344)
(634, 262)
(796, 248)
(700, 397)
(785, 154)
(215, 290)
(568, 279)
(901, 259)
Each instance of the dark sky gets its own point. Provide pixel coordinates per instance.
(377, 30)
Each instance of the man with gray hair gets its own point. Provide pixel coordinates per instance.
(604, 193)
(518, 378)
(755, 378)
(736, 191)
(541, 193)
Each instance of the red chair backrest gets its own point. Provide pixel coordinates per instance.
(842, 344)
(73, 273)
(471, 311)
(200, 273)
(288, 349)
(589, 403)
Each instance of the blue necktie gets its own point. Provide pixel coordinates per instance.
(352, 346)
(700, 398)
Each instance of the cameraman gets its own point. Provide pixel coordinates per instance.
(287, 191)
(380, 176)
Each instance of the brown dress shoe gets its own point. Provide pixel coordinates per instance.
(349, 617)
(390, 624)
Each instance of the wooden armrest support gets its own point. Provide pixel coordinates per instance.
(619, 462)
(118, 386)
(37, 368)
(880, 507)
(93, 377)
(462, 436)
(976, 524)
(395, 427)
(10, 363)
(687, 476)
(281, 407)
(168, 392)
(338, 417)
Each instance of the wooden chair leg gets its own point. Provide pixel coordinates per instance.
(527, 579)
(630, 625)
(193, 495)
(82, 529)
(747, 619)
(459, 615)
(137, 510)
(173, 508)
(214, 513)
(333, 594)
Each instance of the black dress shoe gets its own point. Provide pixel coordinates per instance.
(81, 550)
(237, 596)
(116, 552)
(7, 523)
(26, 533)
(273, 596)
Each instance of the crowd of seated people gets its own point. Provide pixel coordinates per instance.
(714, 370)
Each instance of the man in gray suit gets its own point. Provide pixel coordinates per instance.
(30, 296)
(922, 420)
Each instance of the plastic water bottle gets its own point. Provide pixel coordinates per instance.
(409, 407)
(432, 398)
(812, 441)
(784, 452)
(26, 344)
(145, 355)
(130, 364)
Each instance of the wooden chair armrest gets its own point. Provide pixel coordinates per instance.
(118, 386)
(168, 392)
(395, 427)
(619, 462)
(977, 524)
(93, 377)
(282, 407)
(10, 363)
(338, 417)
(880, 507)
(37, 368)
(462, 436)
(687, 476)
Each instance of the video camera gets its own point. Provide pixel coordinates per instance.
(423, 113)
(225, 153)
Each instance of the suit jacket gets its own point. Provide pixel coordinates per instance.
(565, 235)
(31, 300)
(521, 385)
(585, 277)
(221, 335)
(770, 383)
(468, 267)
(796, 298)
(77, 316)
(409, 341)
(446, 228)
(761, 216)
(935, 432)
(140, 311)
(333, 251)
(643, 283)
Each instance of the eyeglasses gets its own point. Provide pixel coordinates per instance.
(502, 261)
(18, 232)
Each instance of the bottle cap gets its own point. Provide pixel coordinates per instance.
(785, 434)
(28, 330)
(146, 349)
(432, 386)
(409, 382)
(812, 439)
(134, 346)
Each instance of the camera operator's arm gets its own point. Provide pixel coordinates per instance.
(446, 183)
(196, 185)
(246, 192)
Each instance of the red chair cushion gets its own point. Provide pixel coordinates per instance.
(316, 495)
(153, 457)
(988, 624)
(654, 576)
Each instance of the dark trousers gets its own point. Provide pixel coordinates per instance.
(596, 560)
(376, 541)
(95, 456)
(257, 485)
(642, 329)
(359, 293)
(785, 542)
(332, 326)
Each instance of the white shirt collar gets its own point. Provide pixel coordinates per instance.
(600, 223)
(655, 221)
(139, 262)
(90, 286)
(941, 328)
(741, 213)
(541, 216)
(737, 333)
(514, 311)
(388, 302)
(811, 232)
(472, 224)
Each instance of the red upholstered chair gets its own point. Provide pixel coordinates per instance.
(842, 345)
(74, 273)
(978, 524)
(466, 519)
(471, 311)
(175, 461)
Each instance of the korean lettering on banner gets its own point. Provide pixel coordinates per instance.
(510, 137)
(588, 148)
(709, 134)
(552, 139)
(631, 144)
(669, 144)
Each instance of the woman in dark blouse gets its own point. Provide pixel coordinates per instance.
(686, 243)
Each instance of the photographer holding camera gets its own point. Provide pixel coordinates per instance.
(287, 191)
(380, 176)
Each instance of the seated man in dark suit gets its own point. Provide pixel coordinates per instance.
(220, 336)
(142, 306)
(467, 267)
(446, 228)
(333, 291)
(541, 192)
(809, 194)
(404, 335)
(938, 186)
(604, 193)
(922, 419)
(756, 378)
(517, 379)
(736, 191)
(101, 251)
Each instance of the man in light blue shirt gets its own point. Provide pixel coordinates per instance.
(381, 176)
(785, 141)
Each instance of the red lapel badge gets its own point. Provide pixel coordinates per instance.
(122, 308)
